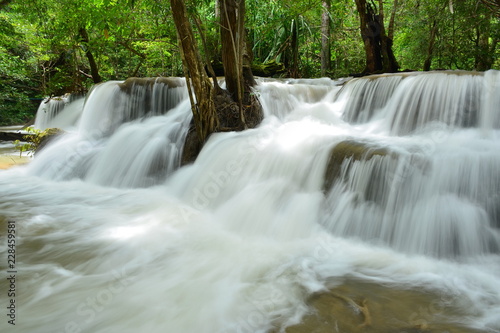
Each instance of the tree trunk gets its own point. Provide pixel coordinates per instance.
(484, 50)
(378, 46)
(216, 109)
(94, 70)
(384, 43)
(230, 47)
(390, 33)
(370, 33)
(235, 58)
(389, 62)
(430, 48)
(295, 49)
(205, 117)
(325, 38)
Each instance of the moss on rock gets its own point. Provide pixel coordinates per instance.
(172, 82)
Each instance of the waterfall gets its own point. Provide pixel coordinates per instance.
(440, 205)
(113, 103)
(391, 180)
(130, 134)
(408, 101)
(49, 109)
(363, 96)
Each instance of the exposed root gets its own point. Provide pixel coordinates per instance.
(366, 313)
(363, 308)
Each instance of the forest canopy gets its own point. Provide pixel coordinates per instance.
(49, 48)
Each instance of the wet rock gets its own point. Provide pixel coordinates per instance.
(171, 82)
(192, 146)
(356, 151)
(357, 306)
(228, 114)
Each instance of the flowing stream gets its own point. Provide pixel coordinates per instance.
(391, 179)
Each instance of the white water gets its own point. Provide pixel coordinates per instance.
(407, 102)
(62, 112)
(113, 237)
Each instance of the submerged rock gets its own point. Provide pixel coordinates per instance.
(357, 306)
(344, 150)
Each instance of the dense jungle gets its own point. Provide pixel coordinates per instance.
(49, 48)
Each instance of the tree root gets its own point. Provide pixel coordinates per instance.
(363, 308)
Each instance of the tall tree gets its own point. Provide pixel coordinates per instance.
(486, 39)
(94, 69)
(326, 53)
(294, 46)
(430, 47)
(233, 39)
(203, 108)
(213, 108)
(378, 46)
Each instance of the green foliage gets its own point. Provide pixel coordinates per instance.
(466, 35)
(42, 52)
(125, 37)
(16, 73)
(269, 24)
(35, 139)
(15, 107)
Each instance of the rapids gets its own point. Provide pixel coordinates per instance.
(113, 235)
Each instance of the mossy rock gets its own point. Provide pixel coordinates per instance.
(270, 68)
(35, 140)
(356, 151)
(45, 137)
(171, 82)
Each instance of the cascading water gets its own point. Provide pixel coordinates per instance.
(409, 101)
(393, 180)
(61, 112)
(130, 134)
(48, 110)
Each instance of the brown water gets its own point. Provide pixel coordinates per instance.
(358, 306)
